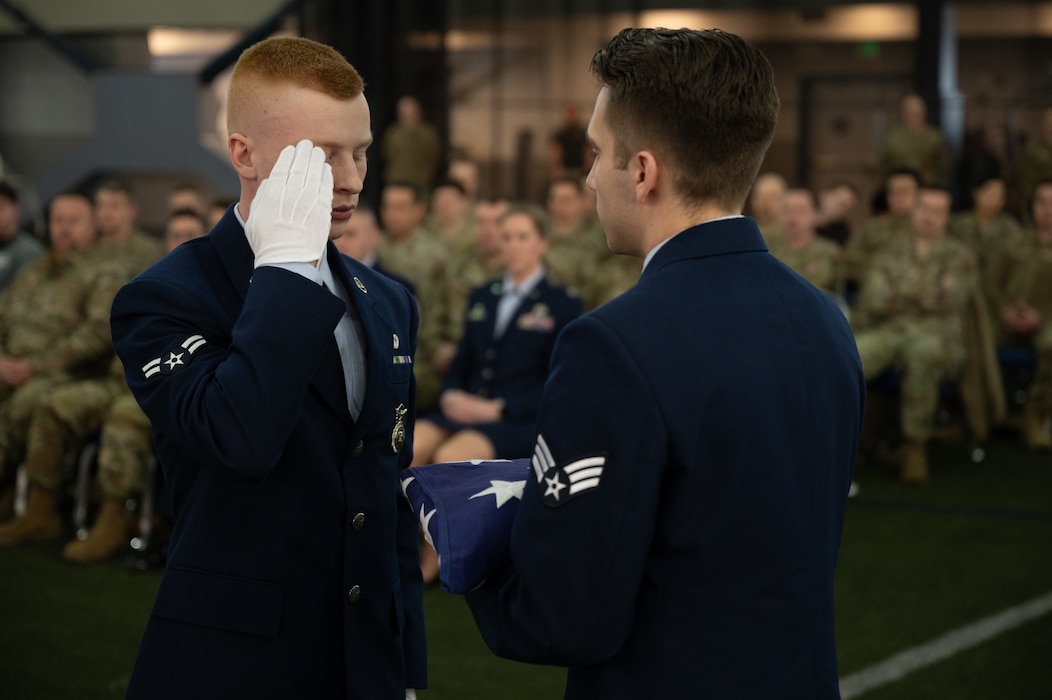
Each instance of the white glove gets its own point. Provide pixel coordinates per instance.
(291, 214)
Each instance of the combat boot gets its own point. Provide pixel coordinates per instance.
(40, 522)
(914, 463)
(107, 536)
(1034, 429)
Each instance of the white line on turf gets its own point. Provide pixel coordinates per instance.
(905, 662)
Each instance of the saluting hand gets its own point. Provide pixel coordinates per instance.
(291, 213)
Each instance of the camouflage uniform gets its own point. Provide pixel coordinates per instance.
(1033, 165)
(573, 257)
(125, 446)
(986, 240)
(131, 256)
(773, 235)
(411, 154)
(915, 306)
(818, 262)
(457, 244)
(424, 262)
(64, 418)
(612, 277)
(465, 273)
(1024, 271)
(873, 237)
(923, 151)
(56, 316)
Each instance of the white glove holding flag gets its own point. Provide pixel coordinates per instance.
(291, 214)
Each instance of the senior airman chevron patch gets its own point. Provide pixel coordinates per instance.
(576, 478)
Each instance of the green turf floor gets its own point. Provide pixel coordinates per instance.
(915, 563)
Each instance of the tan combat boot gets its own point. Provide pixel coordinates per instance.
(107, 536)
(40, 522)
(1037, 437)
(914, 463)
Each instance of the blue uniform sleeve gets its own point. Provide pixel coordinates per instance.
(233, 401)
(581, 538)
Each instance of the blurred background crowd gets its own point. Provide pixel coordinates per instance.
(910, 177)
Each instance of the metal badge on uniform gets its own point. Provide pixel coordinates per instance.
(358, 283)
(538, 319)
(175, 359)
(477, 312)
(398, 434)
(396, 342)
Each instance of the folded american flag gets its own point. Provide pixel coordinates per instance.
(466, 510)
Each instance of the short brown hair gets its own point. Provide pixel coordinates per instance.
(533, 212)
(704, 99)
(290, 61)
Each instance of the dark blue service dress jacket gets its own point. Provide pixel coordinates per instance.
(514, 366)
(679, 532)
(293, 567)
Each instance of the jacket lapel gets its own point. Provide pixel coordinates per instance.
(378, 336)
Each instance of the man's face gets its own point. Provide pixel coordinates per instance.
(9, 211)
(360, 239)
(186, 199)
(990, 197)
(448, 205)
(71, 225)
(181, 229)
(798, 214)
(767, 200)
(932, 214)
(487, 230)
(400, 213)
(902, 194)
(614, 191)
(115, 212)
(913, 112)
(338, 127)
(564, 204)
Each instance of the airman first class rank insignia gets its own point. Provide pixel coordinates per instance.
(174, 360)
(576, 478)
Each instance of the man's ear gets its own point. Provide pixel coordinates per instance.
(240, 147)
(644, 167)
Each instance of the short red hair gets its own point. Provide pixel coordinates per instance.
(289, 61)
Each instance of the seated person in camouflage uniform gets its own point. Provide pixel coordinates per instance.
(1018, 285)
(987, 227)
(765, 205)
(815, 259)
(482, 262)
(1034, 163)
(910, 316)
(69, 414)
(17, 248)
(916, 145)
(577, 244)
(54, 322)
(888, 227)
(450, 221)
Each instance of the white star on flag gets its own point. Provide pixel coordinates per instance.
(425, 520)
(503, 491)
